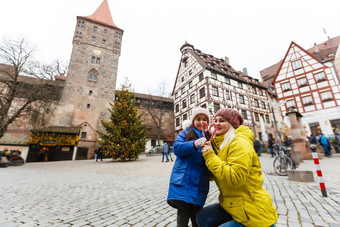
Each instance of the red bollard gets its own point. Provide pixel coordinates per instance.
(318, 171)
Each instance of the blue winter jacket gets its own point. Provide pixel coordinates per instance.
(189, 180)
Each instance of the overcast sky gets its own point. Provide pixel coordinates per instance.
(253, 34)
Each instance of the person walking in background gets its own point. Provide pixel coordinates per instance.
(189, 181)
(337, 139)
(325, 145)
(96, 154)
(165, 151)
(236, 170)
(151, 150)
(312, 139)
(257, 146)
(100, 153)
(170, 149)
(271, 143)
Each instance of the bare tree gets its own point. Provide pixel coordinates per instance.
(156, 106)
(25, 85)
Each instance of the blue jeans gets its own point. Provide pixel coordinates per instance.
(215, 216)
(272, 151)
(166, 155)
(325, 148)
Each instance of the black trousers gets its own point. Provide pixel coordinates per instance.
(186, 211)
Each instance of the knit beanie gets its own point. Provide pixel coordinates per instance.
(199, 110)
(231, 115)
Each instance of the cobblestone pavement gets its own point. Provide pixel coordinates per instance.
(89, 193)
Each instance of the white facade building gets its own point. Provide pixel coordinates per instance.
(209, 82)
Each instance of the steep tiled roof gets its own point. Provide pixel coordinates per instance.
(323, 52)
(222, 65)
(102, 15)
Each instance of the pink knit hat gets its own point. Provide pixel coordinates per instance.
(231, 115)
(199, 110)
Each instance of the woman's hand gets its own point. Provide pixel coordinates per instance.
(207, 147)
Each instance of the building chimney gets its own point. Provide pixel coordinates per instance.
(245, 71)
(226, 60)
(316, 48)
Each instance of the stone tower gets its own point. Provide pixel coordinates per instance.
(91, 77)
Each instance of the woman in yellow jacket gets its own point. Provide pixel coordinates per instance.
(236, 169)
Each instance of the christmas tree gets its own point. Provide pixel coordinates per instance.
(124, 136)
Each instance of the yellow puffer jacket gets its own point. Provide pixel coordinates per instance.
(237, 172)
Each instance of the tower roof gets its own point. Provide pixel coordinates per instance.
(102, 15)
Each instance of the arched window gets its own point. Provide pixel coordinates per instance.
(93, 76)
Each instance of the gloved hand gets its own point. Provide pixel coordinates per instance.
(199, 142)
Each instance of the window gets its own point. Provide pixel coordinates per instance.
(90, 92)
(214, 76)
(177, 122)
(184, 103)
(202, 92)
(215, 91)
(260, 92)
(176, 95)
(192, 99)
(191, 84)
(242, 99)
(88, 106)
(185, 116)
(104, 41)
(227, 80)
(190, 72)
(216, 107)
(256, 117)
(239, 84)
(227, 95)
(256, 103)
(302, 82)
(95, 28)
(177, 108)
(244, 114)
(326, 96)
(320, 76)
(290, 104)
(93, 38)
(138, 101)
(93, 59)
(182, 79)
(253, 90)
(296, 64)
(183, 89)
(263, 106)
(83, 135)
(105, 31)
(307, 100)
(204, 106)
(285, 87)
(200, 77)
(98, 61)
(267, 119)
(93, 76)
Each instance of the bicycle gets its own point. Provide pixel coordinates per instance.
(283, 162)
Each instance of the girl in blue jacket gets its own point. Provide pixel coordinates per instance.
(189, 182)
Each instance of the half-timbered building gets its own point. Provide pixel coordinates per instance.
(209, 82)
(308, 81)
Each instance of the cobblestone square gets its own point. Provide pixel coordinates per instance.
(89, 193)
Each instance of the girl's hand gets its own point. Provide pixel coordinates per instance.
(207, 147)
